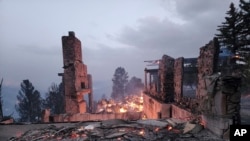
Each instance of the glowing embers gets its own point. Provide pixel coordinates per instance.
(141, 132)
(169, 127)
(123, 110)
(131, 103)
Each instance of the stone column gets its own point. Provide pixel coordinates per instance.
(146, 87)
(45, 115)
(178, 78)
(90, 94)
(207, 65)
(166, 73)
(150, 81)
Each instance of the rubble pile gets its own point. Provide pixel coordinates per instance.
(121, 130)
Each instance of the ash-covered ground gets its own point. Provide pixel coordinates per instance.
(110, 130)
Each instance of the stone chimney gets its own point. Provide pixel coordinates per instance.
(71, 34)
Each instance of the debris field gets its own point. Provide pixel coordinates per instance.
(121, 130)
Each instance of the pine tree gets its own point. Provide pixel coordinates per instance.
(120, 79)
(55, 99)
(30, 103)
(229, 31)
(245, 42)
(245, 27)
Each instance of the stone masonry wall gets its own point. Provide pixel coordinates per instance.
(166, 74)
(75, 75)
(218, 96)
(178, 78)
(154, 109)
(207, 63)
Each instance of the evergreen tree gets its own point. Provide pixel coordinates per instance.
(55, 99)
(120, 79)
(134, 86)
(245, 42)
(30, 102)
(229, 31)
(245, 27)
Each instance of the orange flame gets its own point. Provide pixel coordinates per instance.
(122, 110)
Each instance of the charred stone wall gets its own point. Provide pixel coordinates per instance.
(75, 76)
(166, 75)
(178, 78)
(222, 95)
(218, 95)
(207, 64)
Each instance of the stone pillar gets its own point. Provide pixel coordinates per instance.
(146, 84)
(178, 78)
(166, 73)
(45, 115)
(207, 64)
(150, 81)
(90, 94)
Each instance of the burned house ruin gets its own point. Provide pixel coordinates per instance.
(76, 80)
(216, 101)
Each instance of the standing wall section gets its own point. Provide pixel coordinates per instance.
(166, 74)
(178, 78)
(207, 64)
(75, 75)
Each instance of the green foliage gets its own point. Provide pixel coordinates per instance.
(55, 99)
(134, 86)
(229, 31)
(245, 23)
(234, 33)
(245, 43)
(29, 103)
(120, 79)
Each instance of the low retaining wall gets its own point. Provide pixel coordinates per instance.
(154, 109)
(96, 117)
(180, 113)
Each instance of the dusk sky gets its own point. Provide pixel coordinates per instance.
(113, 33)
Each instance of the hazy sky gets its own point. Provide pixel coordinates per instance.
(113, 33)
